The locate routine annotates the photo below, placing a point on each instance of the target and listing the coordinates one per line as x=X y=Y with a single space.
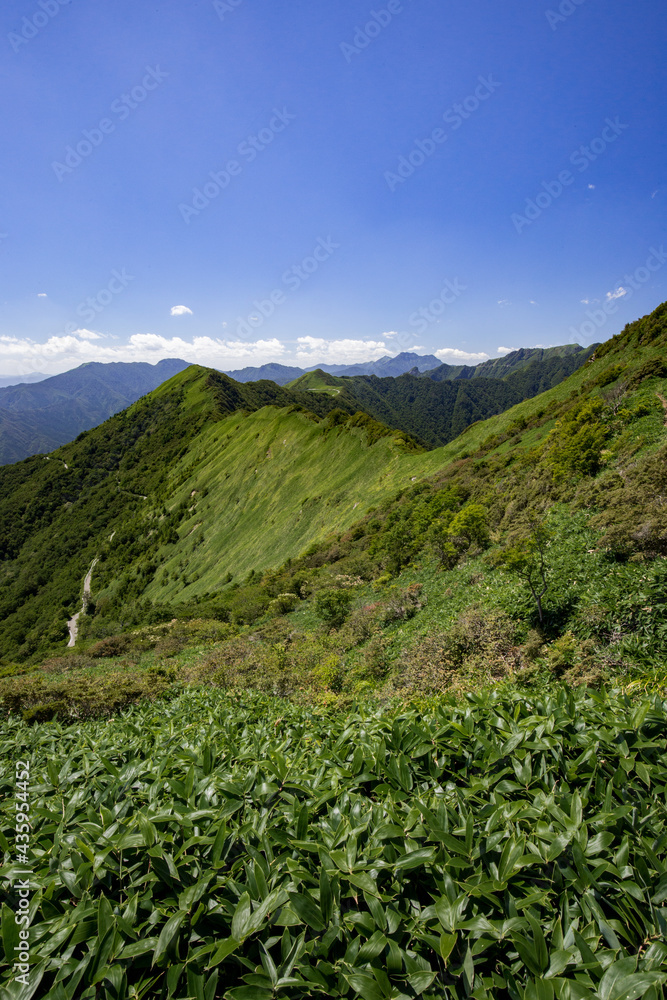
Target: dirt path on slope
x=73 y=623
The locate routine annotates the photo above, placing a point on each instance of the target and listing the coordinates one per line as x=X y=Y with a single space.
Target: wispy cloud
x=618 y=293
x=504 y=302
x=335 y=352
x=449 y=354
x=59 y=354
x=181 y=311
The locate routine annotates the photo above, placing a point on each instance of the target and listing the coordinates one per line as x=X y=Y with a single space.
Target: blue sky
x=326 y=182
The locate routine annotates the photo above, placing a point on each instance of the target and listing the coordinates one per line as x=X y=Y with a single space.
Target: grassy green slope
x=318 y=381
x=133 y=476
x=263 y=488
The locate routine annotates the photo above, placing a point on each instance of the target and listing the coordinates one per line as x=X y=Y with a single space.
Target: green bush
x=333 y=606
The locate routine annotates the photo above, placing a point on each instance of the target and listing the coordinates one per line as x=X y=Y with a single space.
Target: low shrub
x=333 y=606
x=113 y=646
x=79 y=697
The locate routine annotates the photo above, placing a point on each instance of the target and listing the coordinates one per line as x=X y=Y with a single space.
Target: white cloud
x=59 y=354
x=181 y=311
x=532 y=302
x=505 y=350
x=312 y=350
x=41 y=295
x=591 y=187
x=450 y=354
x=392 y=333
x=504 y=302
x=618 y=293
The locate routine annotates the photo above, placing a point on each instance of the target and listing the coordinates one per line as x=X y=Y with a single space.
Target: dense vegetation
x=560 y=361
x=506 y=847
x=435 y=412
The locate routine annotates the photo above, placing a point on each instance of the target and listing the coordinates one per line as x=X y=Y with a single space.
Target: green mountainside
x=514 y=362
x=249 y=442
x=192 y=495
x=318 y=381
x=435 y=412
x=437 y=409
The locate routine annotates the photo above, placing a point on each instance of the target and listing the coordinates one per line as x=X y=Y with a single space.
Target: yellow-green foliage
x=576 y=442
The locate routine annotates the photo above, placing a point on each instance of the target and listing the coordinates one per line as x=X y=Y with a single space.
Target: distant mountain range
x=39 y=417
x=420 y=364
x=17 y=379
x=385 y=367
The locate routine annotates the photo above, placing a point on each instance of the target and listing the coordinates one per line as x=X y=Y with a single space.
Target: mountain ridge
x=205 y=484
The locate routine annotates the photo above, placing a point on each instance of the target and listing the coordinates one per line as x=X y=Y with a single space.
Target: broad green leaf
x=137 y=948
x=168 y=935
x=10 y=933
x=415 y=859
x=249 y=993
x=420 y=981
x=308 y=910
x=447 y=945
x=224 y=949
x=242 y=917
x=372 y=948
x=365 y=986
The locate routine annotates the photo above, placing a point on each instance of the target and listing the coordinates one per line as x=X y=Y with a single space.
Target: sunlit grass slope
x=318 y=381
x=265 y=486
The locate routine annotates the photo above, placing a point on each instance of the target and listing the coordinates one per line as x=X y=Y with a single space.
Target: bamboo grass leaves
x=252 y=849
